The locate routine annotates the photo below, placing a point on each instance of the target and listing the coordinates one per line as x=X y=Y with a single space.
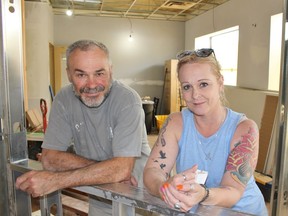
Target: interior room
x=143 y=47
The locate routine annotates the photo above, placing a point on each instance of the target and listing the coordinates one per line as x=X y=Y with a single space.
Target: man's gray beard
x=91 y=103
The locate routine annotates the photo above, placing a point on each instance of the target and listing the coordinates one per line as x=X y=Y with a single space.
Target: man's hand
x=38 y=183
x=132 y=181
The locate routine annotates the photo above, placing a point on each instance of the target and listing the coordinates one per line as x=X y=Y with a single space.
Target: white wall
x=254 y=42
x=139 y=63
x=253 y=59
x=39 y=33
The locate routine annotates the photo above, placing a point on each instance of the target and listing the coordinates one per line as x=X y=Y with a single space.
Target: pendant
x=208 y=156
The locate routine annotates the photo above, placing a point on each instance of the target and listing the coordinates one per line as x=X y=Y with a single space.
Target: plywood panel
x=266 y=128
x=171 y=94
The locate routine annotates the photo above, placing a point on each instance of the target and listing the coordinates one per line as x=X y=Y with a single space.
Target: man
x=102 y=119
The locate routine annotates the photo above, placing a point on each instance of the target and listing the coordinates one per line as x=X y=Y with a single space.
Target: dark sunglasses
x=205 y=52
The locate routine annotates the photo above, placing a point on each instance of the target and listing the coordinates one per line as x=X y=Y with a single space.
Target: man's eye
x=80 y=75
x=99 y=74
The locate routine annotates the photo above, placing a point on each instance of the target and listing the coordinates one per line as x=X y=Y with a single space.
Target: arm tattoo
x=162 y=154
x=243 y=158
x=162 y=165
x=160 y=138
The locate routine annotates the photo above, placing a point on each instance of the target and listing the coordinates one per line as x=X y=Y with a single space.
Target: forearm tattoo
x=243 y=158
x=161 y=140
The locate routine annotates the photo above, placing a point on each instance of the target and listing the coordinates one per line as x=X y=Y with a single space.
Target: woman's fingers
x=176 y=199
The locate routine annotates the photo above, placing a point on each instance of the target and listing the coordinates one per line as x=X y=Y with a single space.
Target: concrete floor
x=152 y=137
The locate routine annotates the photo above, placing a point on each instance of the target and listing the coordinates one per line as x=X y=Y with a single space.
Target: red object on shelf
x=43 y=107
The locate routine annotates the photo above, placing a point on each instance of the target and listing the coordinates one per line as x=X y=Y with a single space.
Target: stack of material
x=35 y=121
x=264 y=183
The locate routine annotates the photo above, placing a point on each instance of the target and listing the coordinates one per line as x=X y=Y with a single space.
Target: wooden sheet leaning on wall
x=266 y=141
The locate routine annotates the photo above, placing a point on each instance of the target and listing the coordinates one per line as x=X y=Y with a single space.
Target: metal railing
x=123 y=196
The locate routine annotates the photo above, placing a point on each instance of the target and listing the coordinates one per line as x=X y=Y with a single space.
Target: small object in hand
x=201 y=176
x=177 y=206
x=184 y=176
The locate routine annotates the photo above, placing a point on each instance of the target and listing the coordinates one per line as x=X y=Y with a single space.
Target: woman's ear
x=221 y=82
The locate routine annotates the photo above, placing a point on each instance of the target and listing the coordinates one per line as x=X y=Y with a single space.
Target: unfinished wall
x=39 y=33
x=139 y=63
x=253 y=19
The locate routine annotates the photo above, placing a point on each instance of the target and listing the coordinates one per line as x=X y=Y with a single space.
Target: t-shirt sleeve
x=58 y=135
x=128 y=132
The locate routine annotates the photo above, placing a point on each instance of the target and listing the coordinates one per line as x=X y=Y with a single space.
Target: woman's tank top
x=211 y=155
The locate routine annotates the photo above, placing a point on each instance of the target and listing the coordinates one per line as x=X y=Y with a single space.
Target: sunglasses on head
x=205 y=52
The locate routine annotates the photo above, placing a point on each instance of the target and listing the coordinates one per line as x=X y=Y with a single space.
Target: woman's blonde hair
x=191 y=57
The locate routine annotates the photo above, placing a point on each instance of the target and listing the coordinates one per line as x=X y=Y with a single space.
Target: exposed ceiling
x=171 y=10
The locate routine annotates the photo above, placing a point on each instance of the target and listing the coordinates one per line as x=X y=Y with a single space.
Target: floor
x=152 y=137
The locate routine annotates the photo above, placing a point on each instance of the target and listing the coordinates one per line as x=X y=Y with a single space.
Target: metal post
x=13 y=145
x=279 y=194
x=4 y=202
x=50 y=200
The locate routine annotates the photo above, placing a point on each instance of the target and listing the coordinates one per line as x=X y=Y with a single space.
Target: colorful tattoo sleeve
x=243 y=158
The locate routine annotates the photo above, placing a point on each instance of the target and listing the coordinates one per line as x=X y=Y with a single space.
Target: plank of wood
x=77 y=206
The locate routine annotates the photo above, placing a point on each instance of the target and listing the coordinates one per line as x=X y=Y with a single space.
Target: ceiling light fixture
x=69 y=12
x=131 y=31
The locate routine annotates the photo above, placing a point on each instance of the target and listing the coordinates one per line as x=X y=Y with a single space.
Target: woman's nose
x=195 y=93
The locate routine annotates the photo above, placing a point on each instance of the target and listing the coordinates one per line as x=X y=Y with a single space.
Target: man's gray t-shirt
x=115 y=129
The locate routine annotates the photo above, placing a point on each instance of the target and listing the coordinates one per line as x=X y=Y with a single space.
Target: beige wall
x=254 y=43
x=141 y=63
x=39 y=33
x=250 y=102
x=253 y=59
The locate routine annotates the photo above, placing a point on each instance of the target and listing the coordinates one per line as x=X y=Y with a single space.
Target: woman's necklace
x=209 y=150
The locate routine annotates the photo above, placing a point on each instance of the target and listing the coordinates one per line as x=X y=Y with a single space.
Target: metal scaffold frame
x=279 y=193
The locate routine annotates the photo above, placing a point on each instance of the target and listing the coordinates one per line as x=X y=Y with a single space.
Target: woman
x=205 y=136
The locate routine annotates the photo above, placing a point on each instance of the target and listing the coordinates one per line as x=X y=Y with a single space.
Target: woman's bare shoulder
x=176 y=123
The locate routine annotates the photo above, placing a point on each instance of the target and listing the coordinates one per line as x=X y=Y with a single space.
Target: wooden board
x=265 y=132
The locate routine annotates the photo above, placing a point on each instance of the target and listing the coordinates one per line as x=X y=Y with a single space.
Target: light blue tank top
x=211 y=155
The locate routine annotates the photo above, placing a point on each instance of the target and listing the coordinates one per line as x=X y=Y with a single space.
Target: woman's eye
x=204 y=84
x=186 y=87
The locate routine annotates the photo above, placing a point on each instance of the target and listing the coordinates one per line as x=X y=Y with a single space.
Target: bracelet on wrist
x=206 y=191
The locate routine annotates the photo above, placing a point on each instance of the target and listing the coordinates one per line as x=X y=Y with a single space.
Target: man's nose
x=92 y=81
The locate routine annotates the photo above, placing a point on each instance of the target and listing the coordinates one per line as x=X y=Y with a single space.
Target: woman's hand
x=181 y=191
